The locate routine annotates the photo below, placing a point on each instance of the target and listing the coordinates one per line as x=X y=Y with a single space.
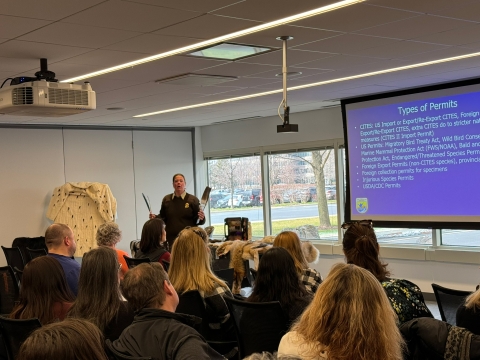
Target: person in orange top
x=109 y=235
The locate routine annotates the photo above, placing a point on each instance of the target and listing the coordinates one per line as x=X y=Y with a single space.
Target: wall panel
x=31 y=165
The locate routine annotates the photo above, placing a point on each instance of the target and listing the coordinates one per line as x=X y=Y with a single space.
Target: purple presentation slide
x=415 y=158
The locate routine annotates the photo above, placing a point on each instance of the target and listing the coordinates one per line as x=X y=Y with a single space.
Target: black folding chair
x=222 y=262
x=9 y=291
x=119 y=356
x=448 y=301
x=131 y=263
x=191 y=303
x=226 y=275
x=14 y=258
x=34 y=253
x=259 y=326
x=15 y=332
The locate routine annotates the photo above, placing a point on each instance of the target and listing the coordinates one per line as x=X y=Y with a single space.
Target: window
x=303 y=193
x=236 y=192
x=461 y=237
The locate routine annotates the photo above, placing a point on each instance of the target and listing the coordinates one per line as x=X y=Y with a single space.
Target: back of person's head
x=152 y=233
x=108 y=234
x=190 y=264
x=43 y=285
x=98 y=298
x=351 y=318
x=142 y=286
x=290 y=241
x=473 y=300
x=269 y=356
x=361 y=248
x=72 y=339
x=277 y=279
x=55 y=234
x=200 y=232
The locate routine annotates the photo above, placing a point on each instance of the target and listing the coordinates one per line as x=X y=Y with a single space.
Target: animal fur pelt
x=251 y=250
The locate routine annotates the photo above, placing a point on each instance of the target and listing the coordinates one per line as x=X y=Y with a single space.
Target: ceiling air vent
x=196 y=80
x=22 y=96
x=67 y=97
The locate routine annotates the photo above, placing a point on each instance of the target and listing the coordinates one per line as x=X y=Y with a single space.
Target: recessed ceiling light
x=220 y=39
x=290 y=73
x=196 y=80
x=230 y=51
x=115 y=108
x=373 y=73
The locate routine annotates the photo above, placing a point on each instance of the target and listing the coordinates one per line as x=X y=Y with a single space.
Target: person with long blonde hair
x=468 y=314
x=350 y=318
x=190 y=270
x=309 y=277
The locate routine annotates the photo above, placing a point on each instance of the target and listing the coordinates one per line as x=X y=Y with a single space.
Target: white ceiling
x=82 y=36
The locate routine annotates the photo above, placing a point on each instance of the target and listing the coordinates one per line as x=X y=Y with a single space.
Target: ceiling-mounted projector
x=44 y=96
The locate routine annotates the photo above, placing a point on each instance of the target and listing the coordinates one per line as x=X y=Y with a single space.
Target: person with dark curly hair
x=361 y=248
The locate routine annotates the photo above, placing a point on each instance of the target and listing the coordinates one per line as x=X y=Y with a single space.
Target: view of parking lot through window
x=303 y=193
x=236 y=192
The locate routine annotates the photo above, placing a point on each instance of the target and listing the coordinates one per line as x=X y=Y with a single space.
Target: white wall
x=31 y=165
x=35 y=161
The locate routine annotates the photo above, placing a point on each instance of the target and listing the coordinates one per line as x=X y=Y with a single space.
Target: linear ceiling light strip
x=230 y=36
x=373 y=73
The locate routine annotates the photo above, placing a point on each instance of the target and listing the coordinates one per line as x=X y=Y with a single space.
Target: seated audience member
x=44 y=293
x=190 y=270
x=432 y=339
x=309 y=277
x=109 y=235
x=468 y=314
x=277 y=280
x=157 y=331
x=72 y=339
x=268 y=356
x=152 y=242
x=361 y=248
x=61 y=245
x=349 y=318
x=98 y=297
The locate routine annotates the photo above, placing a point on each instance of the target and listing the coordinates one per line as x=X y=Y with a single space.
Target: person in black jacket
x=432 y=339
x=157 y=331
x=179 y=210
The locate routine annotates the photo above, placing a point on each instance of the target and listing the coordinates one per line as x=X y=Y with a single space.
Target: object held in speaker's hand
x=204 y=199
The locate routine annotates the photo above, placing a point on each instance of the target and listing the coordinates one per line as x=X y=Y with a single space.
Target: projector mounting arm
x=286 y=126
